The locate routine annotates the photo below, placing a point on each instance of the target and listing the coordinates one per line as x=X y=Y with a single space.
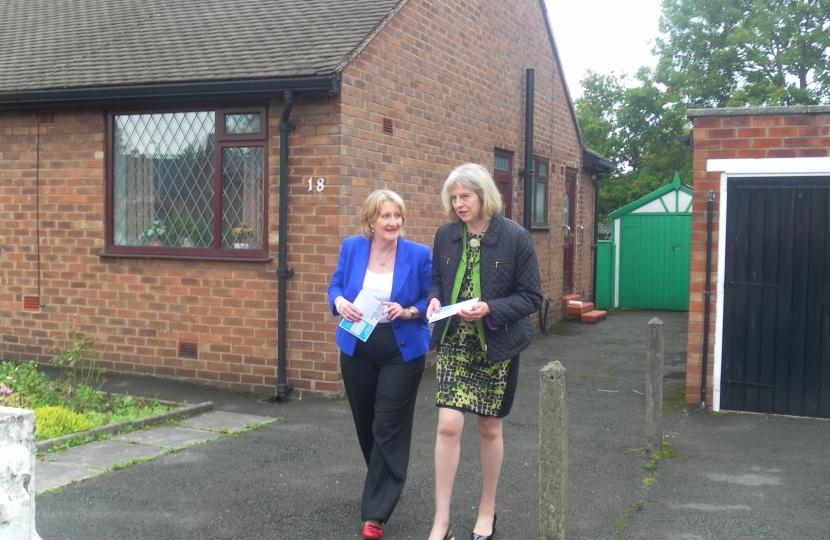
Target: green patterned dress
x=466 y=379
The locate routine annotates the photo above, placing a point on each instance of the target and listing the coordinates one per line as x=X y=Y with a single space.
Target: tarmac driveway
x=738 y=476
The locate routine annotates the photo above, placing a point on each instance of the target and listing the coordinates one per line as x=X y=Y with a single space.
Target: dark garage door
x=776 y=316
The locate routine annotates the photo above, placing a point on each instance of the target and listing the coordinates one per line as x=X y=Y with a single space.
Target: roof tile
x=48 y=44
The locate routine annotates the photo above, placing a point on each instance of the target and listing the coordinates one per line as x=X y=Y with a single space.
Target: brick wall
x=452 y=97
x=735 y=134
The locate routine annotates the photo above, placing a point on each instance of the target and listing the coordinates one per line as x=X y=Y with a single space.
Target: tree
x=732 y=53
x=636 y=126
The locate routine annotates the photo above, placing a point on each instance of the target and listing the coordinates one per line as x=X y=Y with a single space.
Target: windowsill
x=539 y=227
x=235 y=258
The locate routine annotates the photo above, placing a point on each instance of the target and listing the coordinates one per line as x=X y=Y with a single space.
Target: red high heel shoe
x=372 y=532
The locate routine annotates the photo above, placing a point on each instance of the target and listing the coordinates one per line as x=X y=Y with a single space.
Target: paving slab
x=103 y=455
x=225 y=421
x=49 y=475
x=166 y=437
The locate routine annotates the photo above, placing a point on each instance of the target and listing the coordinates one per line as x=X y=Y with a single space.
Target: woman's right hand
x=433 y=307
x=347 y=310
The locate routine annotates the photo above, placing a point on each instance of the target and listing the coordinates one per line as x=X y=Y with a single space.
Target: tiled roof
x=57 y=44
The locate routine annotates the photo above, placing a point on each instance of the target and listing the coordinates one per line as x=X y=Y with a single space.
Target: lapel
x=402 y=268
x=360 y=261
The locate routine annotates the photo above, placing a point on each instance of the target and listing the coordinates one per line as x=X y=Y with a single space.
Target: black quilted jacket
x=510 y=283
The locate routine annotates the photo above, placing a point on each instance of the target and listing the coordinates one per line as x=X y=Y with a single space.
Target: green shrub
x=23 y=386
x=51 y=422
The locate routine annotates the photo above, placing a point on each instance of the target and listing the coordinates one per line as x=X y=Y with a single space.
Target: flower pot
x=240 y=245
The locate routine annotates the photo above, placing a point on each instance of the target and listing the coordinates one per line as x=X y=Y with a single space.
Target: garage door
x=776 y=312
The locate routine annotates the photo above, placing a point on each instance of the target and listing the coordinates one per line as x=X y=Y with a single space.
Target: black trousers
x=382 y=391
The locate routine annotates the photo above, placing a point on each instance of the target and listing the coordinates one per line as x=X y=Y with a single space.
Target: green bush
x=23 y=386
x=51 y=422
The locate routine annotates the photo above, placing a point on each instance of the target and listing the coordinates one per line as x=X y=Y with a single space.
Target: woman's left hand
x=479 y=310
x=394 y=310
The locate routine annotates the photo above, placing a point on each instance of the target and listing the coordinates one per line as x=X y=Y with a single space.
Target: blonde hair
x=476 y=178
x=372 y=208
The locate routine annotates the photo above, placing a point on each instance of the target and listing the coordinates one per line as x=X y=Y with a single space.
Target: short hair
x=477 y=179
x=372 y=206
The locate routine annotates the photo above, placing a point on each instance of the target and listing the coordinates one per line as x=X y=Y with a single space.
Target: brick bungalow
x=767 y=173
x=177 y=175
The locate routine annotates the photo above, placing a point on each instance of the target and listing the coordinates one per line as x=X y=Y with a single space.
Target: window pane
x=543 y=169
x=567 y=210
x=501 y=163
x=236 y=124
x=540 y=203
x=163 y=179
x=243 y=185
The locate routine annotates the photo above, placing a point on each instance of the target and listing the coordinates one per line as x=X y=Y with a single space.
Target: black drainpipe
x=528 y=171
x=283 y=272
x=707 y=295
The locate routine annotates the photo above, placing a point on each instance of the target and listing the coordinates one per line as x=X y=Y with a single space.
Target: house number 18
x=320 y=184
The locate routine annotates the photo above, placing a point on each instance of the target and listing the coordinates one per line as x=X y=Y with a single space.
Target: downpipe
x=283 y=272
x=707 y=299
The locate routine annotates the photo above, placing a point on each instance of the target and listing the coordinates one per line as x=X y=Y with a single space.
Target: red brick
x=737 y=143
x=799 y=142
x=751 y=154
x=767 y=120
x=752 y=133
x=782 y=132
x=799 y=120
x=705 y=144
x=783 y=153
x=737 y=121
x=708 y=122
x=814 y=152
x=721 y=133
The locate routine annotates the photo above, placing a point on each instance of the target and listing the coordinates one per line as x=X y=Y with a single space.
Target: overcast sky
x=603 y=36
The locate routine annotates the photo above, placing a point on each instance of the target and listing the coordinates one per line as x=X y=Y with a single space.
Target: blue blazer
x=410 y=285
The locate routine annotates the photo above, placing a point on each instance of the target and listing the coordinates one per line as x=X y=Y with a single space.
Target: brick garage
x=760 y=356
x=409 y=98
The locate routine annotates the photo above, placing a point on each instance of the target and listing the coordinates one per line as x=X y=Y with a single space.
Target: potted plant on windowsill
x=242 y=234
x=155 y=234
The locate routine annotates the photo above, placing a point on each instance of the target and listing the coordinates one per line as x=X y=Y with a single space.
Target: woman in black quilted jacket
x=478 y=255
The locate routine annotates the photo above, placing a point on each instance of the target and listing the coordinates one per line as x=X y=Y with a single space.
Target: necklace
x=475 y=242
x=382 y=262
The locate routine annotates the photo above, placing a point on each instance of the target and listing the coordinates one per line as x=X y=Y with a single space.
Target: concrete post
x=654 y=385
x=553 y=453
x=17 y=474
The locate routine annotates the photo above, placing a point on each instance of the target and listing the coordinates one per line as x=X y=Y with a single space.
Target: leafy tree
x=732 y=53
x=722 y=53
x=636 y=125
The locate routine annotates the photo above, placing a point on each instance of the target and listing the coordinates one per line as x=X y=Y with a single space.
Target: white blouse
x=380 y=287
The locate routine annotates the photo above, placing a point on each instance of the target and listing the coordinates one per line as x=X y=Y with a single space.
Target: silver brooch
x=474 y=243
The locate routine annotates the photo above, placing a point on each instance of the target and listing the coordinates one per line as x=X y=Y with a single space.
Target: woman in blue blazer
x=382 y=374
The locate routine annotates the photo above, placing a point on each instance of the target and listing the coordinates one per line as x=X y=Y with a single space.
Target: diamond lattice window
x=184 y=184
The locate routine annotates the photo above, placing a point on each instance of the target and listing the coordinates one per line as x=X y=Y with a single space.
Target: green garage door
x=654 y=261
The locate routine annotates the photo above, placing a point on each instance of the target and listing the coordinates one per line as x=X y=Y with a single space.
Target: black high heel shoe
x=449 y=535
x=474 y=536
